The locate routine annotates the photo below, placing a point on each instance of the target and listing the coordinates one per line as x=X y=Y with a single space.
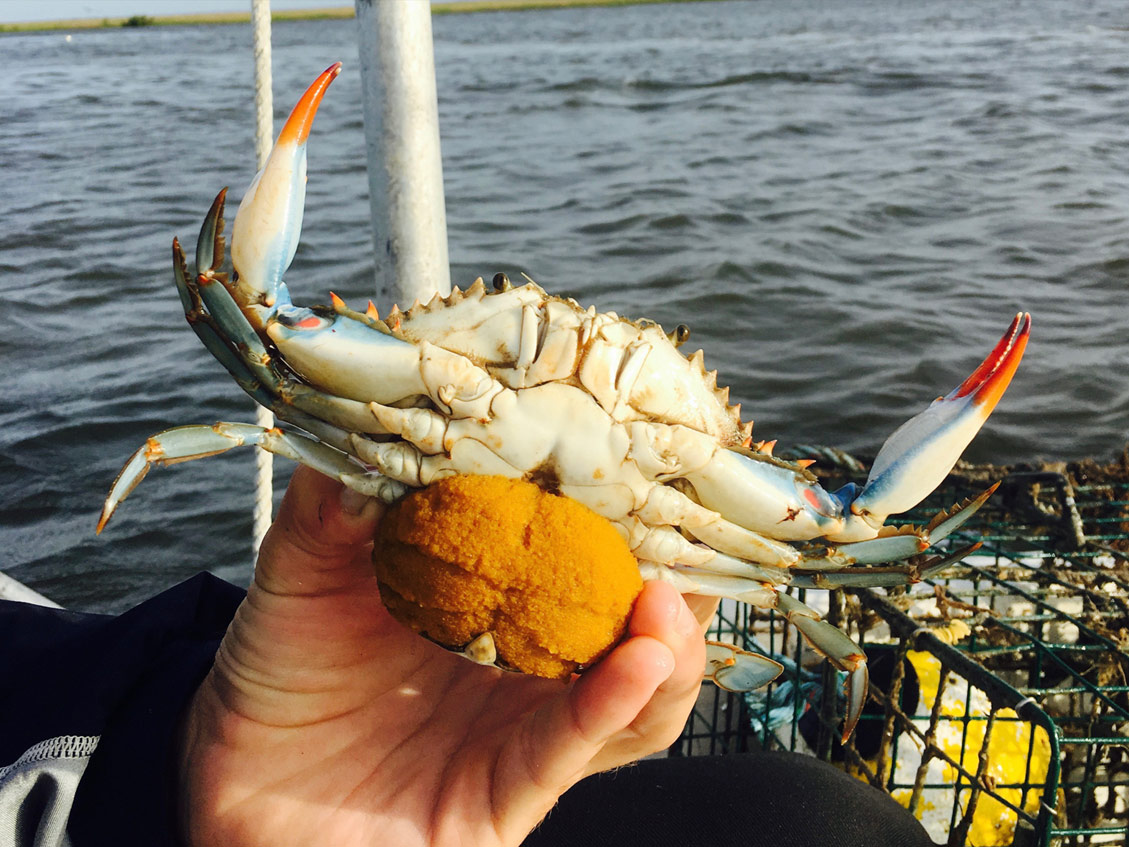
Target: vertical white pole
x=264 y=138
x=405 y=169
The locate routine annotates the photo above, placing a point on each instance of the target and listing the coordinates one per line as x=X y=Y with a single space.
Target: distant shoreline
x=438 y=7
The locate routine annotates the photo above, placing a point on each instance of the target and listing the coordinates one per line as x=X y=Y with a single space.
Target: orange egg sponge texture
x=551 y=580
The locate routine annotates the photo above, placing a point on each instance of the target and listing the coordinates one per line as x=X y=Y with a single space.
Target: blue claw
x=265 y=234
x=920 y=454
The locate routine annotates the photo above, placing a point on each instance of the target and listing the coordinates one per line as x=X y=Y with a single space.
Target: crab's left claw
x=920 y=453
x=265 y=234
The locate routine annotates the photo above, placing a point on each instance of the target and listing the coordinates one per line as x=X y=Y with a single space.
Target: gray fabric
x=37 y=790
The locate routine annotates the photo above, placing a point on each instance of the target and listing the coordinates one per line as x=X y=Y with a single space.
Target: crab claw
x=265 y=233
x=922 y=451
x=732 y=669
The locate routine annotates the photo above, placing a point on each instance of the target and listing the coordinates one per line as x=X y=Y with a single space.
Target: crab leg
x=691 y=580
x=662 y=543
x=670 y=507
x=185 y=443
x=839 y=649
x=871 y=577
x=828 y=640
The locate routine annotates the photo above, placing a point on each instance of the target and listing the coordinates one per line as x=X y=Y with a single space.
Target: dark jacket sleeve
x=123 y=682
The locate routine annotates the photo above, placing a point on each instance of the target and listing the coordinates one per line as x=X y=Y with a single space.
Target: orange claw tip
x=988 y=382
x=989 y=394
x=991 y=361
x=338 y=303
x=297 y=127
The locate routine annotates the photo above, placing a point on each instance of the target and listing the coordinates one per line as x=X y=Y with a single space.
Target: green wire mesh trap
x=999 y=698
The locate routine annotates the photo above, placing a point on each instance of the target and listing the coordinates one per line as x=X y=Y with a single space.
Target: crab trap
x=998 y=709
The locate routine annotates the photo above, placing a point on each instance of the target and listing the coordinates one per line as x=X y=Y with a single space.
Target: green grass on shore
x=438 y=7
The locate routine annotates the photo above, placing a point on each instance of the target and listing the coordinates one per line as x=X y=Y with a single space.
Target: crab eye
x=680 y=335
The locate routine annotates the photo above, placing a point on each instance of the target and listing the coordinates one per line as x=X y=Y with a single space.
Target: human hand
x=324 y=721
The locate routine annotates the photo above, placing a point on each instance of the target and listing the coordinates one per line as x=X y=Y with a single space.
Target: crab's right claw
x=920 y=454
x=265 y=234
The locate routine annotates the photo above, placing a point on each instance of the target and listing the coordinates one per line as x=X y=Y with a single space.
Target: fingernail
x=673 y=611
x=353 y=502
x=687 y=624
x=667 y=664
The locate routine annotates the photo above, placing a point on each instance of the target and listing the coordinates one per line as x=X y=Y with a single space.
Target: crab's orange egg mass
x=549 y=579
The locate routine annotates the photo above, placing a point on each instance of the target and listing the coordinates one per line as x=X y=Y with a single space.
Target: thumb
x=320 y=540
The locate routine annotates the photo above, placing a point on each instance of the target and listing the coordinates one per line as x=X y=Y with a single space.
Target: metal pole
x=405 y=169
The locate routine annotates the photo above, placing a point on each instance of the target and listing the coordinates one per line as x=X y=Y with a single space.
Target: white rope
x=264 y=137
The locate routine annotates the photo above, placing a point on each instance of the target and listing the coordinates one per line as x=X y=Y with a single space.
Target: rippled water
x=846 y=203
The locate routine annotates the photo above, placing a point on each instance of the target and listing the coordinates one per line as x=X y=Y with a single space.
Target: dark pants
x=770 y=799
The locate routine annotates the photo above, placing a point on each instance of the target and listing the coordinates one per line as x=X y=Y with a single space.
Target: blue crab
x=511 y=380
